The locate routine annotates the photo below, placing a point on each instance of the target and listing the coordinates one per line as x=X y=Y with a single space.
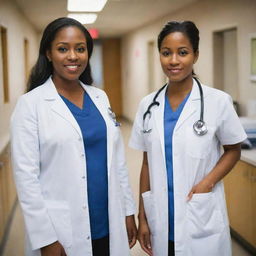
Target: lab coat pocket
x=59 y=213
x=199 y=146
x=204 y=216
x=150 y=212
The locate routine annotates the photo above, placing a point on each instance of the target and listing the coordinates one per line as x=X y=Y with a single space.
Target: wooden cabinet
x=240 y=189
x=7 y=191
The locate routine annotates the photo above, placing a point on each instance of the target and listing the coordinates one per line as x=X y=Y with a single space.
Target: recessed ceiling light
x=84 y=18
x=86 y=5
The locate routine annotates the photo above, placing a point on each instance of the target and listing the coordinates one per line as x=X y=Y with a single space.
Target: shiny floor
x=14 y=245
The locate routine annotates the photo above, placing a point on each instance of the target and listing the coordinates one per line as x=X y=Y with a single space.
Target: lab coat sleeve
x=137 y=136
x=129 y=203
x=130 y=208
x=26 y=167
x=230 y=130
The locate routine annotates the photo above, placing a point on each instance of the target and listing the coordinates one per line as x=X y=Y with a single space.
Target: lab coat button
x=88 y=237
x=83 y=177
x=82 y=155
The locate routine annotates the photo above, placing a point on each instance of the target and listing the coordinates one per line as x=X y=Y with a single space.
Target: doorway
x=226 y=62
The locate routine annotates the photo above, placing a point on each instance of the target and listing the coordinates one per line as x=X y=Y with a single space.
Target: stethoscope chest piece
x=200 y=128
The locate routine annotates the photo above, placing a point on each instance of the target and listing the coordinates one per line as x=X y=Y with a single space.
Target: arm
x=125 y=186
x=127 y=193
x=223 y=167
x=54 y=249
x=143 y=230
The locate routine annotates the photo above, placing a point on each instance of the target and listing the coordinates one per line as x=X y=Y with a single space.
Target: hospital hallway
x=126 y=64
x=15 y=240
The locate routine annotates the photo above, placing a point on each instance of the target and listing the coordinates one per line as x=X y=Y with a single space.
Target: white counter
x=249 y=156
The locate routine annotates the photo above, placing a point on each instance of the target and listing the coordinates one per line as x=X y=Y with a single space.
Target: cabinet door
x=239 y=196
x=1 y=201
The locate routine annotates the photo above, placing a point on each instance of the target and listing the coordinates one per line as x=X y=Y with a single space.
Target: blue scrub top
x=170 y=119
x=94 y=133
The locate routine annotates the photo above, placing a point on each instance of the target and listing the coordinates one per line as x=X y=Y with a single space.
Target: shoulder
x=146 y=100
x=216 y=95
x=33 y=96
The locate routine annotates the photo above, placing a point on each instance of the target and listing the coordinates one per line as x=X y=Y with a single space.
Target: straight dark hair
x=43 y=68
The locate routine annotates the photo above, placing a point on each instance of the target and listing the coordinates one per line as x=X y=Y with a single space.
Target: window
x=4 y=64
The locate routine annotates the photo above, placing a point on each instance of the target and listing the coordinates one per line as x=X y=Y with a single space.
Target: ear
x=48 y=55
x=196 y=57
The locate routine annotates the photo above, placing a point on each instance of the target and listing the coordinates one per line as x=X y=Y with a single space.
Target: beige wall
x=18 y=28
x=210 y=16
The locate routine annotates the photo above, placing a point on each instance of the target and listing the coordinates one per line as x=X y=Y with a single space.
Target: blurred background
x=125 y=63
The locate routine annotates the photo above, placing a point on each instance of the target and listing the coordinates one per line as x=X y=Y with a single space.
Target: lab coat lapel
x=189 y=107
x=58 y=105
x=159 y=119
x=102 y=106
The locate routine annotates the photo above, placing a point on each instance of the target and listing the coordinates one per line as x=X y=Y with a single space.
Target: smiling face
x=68 y=54
x=177 y=57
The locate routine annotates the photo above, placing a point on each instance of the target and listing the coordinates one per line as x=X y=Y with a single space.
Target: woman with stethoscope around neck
x=181 y=128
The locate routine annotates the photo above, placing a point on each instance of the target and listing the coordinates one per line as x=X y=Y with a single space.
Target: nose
x=174 y=60
x=72 y=55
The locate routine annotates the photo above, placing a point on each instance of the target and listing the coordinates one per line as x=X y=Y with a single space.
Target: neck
x=180 y=88
x=69 y=87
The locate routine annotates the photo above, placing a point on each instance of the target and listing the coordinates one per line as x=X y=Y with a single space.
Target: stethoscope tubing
x=199 y=126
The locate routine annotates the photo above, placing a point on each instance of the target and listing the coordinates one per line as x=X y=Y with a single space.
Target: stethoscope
x=112 y=116
x=199 y=126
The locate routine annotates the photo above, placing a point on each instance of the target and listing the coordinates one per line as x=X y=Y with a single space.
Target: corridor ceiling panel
x=117 y=18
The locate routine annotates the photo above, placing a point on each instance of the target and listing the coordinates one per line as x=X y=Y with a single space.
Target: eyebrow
x=68 y=43
x=182 y=47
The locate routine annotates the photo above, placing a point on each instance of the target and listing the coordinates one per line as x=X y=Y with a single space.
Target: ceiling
x=117 y=18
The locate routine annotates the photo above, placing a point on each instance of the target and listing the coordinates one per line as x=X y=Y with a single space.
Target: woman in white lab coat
x=68 y=155
x=181 y=131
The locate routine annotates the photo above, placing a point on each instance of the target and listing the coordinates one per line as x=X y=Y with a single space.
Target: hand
x=144 y=237
x=131 y=230
x=54 y=249
x=202 y=187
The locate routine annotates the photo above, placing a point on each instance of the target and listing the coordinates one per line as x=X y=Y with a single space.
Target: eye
x=62 y=49
x=183 y=52
x=165 y=53
x=81 y=49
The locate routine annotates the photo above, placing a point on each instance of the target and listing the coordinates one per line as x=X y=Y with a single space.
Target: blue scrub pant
x=100 y=247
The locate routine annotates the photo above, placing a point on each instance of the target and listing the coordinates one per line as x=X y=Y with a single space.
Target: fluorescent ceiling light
x=86 y=5
x=84 y=18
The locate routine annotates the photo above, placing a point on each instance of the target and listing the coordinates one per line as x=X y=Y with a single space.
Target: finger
x=133 y=238
x=190 y=195
x=63 y=253
x=132 y=242
x=145 y=244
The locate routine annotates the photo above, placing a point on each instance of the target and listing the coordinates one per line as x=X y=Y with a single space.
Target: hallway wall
x=18 y=28
x=209 y=16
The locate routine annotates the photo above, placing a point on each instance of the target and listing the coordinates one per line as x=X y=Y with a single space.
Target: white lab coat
x=201 y=225
x=50 y=173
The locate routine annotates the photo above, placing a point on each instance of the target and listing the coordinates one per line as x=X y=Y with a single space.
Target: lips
x=174 y=70
x=72 y=67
